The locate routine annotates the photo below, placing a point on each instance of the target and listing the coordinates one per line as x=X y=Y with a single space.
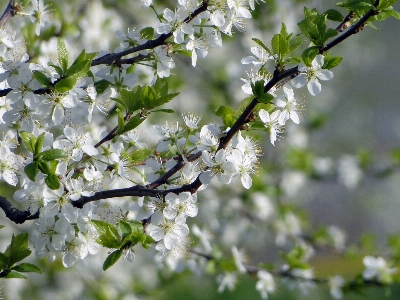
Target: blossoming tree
x=94 y=155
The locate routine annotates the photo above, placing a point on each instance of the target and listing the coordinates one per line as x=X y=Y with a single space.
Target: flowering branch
x=115 y=57
x=355 y=28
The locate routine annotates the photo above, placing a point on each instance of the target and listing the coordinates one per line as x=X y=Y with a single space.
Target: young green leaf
x=79 y=70
x=41 y=78
x=31 y=170
x=309 y=54
x=334 y=15
x=133 y=122
x=52 y=154
x=258 y=42
x=125 y=228
x=62 y=54
x=26 y=267
x=14 y=274
x=331 y=61
x=39 y=144
x=65 y=85
x=29 y=140
x=52 y=182
x=265 y=98
x=112 y=259
x=147 y=33
x=102 y=227
x=139 y=155
x=110 y=239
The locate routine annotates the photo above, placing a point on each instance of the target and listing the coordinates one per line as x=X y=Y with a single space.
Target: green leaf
x=19 y=242
x=52 y=182
x=62 y=54
x=53 y=154
x=360 y=7
x=147 y=241
x=39 y=144
x=165 y=110
x=139 y=155
x=280 y=46
x=18 y=249
x=258 y=42
x=331 y=61
x=309 y=54
x=295 y=42
x=329 y=34
x=41 y=78
x=2 y=226
x=227 y=114
x=161 y=100
x=125 y=228
x=131 y=100
x=4 y=261
x=334 y=15
x=102 y=227
x=13 y=274
x=133 y=122
x=101 y=85
x=265 y=98
x=31 y=170
x=26 y=267
x=29 y=140
x=258 y=88
x=65 y=85
x=109 y=239
x=386 y=13
x=79 y=70
x=52 y=166
x=112 y=259
x=57 y=68
x=81 y=57
x=44 y=167
x=147 y=33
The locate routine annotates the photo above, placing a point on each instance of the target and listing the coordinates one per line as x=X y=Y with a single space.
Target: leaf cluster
x=144 y=99
x=123 y=238
x=43 y=161
x=15 y=252
x=68 y=75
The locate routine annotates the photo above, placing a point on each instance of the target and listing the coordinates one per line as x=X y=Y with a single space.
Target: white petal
x=217 y=18
x=295 y=117
x=206 y=177
x=246 y=181
x=169 y=15
x=249 y=60
x=314 y=87
x=318 y=62
x=299 y=81
x=264 y=116
x=324 y=74
x=58 y=114
x=89 y=149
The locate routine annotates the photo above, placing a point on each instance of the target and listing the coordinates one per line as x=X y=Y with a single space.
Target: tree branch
x=19 y=216
x=355 y=28
x=115 y=57
x=8 y=13
x=14 y=214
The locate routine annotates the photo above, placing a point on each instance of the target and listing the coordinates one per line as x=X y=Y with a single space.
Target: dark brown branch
x=115 y=57
x=10 y=12
x=352 y=30
x=14 y=214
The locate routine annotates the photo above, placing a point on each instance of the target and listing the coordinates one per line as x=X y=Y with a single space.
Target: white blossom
x=311 y=75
